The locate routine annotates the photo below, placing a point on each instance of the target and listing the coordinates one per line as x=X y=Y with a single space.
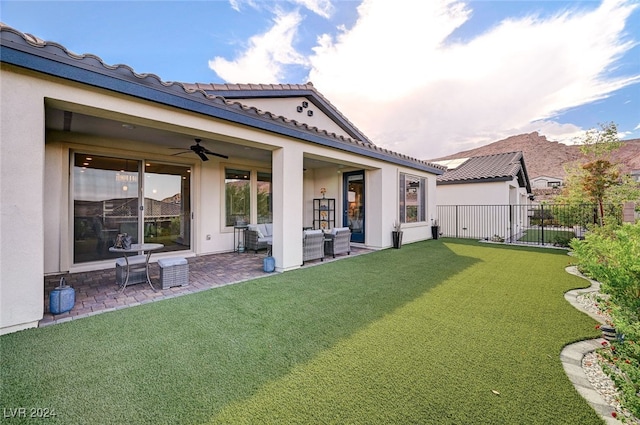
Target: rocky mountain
x=548 y=158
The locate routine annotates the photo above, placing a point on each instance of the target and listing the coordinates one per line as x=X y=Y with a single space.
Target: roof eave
x=466 y=181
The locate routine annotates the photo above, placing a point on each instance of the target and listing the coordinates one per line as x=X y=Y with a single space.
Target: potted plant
x=396 y=234
x=435 y=229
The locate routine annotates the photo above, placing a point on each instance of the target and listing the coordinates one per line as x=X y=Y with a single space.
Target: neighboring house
x=89 y=150
x=490 y=182
x=546 y=182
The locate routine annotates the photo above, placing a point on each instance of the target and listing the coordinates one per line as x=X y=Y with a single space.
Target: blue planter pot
x=269 y=264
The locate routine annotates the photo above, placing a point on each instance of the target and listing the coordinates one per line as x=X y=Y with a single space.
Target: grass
x=423 y=334
x=550 y=235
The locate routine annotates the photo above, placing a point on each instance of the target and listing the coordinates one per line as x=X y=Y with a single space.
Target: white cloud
x=396 y=78
x=323 y=8
x=266 y=55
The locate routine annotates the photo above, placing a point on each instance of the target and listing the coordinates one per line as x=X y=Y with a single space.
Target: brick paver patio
x=96 y=291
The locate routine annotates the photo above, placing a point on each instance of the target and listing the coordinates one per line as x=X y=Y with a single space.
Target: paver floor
x=97 y=292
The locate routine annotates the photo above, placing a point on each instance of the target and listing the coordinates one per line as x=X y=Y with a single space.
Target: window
x=108 y=198
x=243 y=186
x=237 y=185
x=412 y=198
x=265 y=205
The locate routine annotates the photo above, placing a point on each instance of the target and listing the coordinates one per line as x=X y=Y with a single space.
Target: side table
x=238 y=233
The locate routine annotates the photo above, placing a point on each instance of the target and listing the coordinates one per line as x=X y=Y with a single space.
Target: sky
x=422 y=78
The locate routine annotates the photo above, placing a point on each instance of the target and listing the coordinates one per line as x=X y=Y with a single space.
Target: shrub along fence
x=553 y=224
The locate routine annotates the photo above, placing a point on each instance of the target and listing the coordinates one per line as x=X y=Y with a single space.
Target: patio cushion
x=256 y=228
x=134 y=259
x=168 y=262
x=262 y=230
x=269 y=229
x=337 y=229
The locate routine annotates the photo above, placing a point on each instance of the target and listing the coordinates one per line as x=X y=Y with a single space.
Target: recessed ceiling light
x=128 y=126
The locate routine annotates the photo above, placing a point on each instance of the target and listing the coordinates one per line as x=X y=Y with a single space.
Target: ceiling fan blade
x=179 y=153
x=207 y=151
x=202 y=156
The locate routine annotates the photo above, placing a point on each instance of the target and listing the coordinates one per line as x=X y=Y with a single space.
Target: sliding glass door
x=167 y=205
x=149 y=201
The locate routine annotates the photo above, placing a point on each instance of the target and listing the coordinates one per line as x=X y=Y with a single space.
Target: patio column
x=287 y=175
x=22 y=209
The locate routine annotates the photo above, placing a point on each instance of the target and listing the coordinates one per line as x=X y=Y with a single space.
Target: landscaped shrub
x=611 y=255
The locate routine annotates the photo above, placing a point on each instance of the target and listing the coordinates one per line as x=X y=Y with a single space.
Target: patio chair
x=258 y=236
x=338 y=241
x=312 y=245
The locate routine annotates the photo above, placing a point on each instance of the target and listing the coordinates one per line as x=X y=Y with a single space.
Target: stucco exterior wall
x=287 y=107
x=480 y=210
x=21 y=201
x=491 y=193
x=36 y=205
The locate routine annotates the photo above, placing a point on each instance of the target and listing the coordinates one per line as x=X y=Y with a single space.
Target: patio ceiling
x=64 y=120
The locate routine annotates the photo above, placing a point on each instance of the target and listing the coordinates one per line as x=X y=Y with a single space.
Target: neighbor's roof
x=29 y=52
x=489 y=168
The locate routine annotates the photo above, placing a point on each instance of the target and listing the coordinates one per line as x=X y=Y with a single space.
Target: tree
x=596 y=179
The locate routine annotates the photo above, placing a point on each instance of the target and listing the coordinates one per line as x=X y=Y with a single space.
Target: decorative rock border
x=571 y=355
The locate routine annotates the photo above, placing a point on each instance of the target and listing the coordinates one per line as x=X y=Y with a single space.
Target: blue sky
x=424 y=78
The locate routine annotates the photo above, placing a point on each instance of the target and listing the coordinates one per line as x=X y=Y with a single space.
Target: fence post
x=541 y=240
x=456 y=221
x=629 y=212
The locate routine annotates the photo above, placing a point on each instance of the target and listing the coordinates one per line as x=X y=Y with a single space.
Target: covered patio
x=97 y=292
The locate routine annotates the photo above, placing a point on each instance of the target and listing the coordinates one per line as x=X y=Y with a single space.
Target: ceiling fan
x=201 y=151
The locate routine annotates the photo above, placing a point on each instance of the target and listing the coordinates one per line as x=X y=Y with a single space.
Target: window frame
x=420 y=188
x=254 y=179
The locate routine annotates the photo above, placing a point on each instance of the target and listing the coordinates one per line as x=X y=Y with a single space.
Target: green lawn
x=423 y=334
x=550 y=235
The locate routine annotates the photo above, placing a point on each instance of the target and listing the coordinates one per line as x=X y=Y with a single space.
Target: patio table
x=135 y=249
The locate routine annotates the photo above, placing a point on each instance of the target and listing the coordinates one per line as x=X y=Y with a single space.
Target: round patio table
x=135 y=249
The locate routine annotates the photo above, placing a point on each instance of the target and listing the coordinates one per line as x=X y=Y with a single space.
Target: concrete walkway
x=571 y=356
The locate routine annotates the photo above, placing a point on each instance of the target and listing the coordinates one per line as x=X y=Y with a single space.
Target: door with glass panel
x=353 y=202
x=167 y=205
x=149 y=201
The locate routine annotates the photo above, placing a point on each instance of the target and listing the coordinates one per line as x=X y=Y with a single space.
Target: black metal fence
x=541 y=224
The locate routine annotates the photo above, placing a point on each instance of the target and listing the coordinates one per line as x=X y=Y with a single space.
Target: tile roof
x=87 y=68
x=238 y=91
x=488 y=168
